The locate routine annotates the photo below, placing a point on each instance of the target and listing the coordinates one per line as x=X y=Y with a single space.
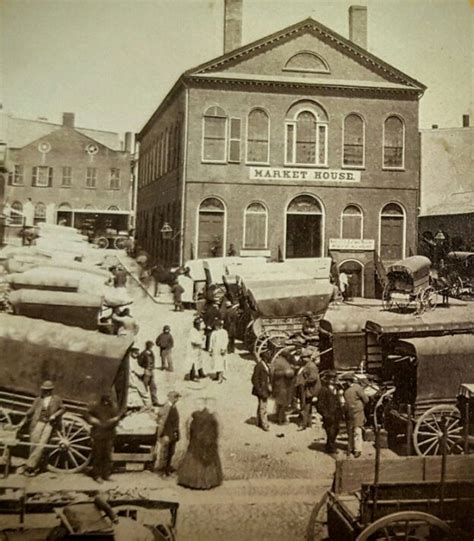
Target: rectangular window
x=66 y=180
x=42 y=176
x=306 y=141
x=290 y=141
x=214 y=144
x=255 y=225
x=115 y=179
x=91 y=177
x=234 y=140
x=17 y=175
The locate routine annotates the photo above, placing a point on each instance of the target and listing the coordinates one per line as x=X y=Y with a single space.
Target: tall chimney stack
x=68 y=120
x=232 y=25
x=465 y=121
x=128 y=141
x=358 y=25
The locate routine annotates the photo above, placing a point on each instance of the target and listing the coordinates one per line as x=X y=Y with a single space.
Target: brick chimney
x=68 y=120
x=232 y=25
x=465 y=121
x=358 y=25
x=127 y=145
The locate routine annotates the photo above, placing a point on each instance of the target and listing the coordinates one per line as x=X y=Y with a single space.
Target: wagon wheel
x=317 y=529
x=262 y=344
x=406 y=525
x=420 y=303
x=428 y=431
x=102 y=242
x=387 y=301
x=120 y=243
x=381 y=407
x=73 y=446
x=430 y=298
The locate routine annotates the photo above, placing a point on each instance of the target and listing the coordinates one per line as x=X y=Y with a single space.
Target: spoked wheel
x=430 y=298
x=73 y=446
x=406 y=526
x=387 y=301
x=428 y=433
x=262 y=346
x=381 y=407
x=420 y=304
x=317 y=529
x=120 y=243
x=102 y=242
x=258 y=343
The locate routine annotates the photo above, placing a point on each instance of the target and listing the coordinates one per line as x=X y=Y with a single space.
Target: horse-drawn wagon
x=460 y=273
x=408 y=282
x=83 y=365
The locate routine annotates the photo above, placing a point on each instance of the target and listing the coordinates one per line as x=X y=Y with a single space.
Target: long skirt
x=194 y=473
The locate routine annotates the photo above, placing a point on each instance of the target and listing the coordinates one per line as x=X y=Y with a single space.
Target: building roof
x=457 y=203
x=216 y=69
x=19 y=132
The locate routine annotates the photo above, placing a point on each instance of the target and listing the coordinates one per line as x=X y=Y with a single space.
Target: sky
x=112 y=61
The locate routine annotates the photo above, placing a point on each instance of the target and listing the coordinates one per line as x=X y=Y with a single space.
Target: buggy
x=408 y=282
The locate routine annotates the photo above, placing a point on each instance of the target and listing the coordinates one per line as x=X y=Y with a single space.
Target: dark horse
x=161 y=275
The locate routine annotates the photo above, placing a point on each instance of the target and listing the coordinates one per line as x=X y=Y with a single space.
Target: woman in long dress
x=201 y=466
x=218 y=349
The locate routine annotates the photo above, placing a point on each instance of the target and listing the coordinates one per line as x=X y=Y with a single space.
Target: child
x=165 y=342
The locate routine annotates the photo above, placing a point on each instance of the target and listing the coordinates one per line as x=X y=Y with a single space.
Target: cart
x=275 y=311
x=83 y=364
x=427 y=376
x=461 y=273
x=408 y=282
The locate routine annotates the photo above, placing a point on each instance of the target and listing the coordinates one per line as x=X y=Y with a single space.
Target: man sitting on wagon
x=309 y=329
x=44 y=415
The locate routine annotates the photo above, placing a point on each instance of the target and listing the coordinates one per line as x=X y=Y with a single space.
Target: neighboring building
x=300 y=144
x=60 y=173
x=447 y=187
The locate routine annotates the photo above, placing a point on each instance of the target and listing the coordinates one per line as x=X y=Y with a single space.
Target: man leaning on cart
x=44 y=415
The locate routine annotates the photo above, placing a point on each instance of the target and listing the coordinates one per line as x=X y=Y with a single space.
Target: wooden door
x=211 y=234
x=303 y=235
x=391 y=238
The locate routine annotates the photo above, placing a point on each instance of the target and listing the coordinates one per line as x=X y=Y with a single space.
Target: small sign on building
x=352 y=245
x=298 y=174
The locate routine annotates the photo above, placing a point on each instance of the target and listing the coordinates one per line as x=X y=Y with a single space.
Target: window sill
x=259 y=164
x=393 y=169
x=306 y=165
x=90 y=187
x=214 y=162
x=66 y=186
x=358 y=167
x=40 y=186
x=16 y=185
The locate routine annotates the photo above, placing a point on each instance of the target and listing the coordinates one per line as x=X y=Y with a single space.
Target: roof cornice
x=298 y=28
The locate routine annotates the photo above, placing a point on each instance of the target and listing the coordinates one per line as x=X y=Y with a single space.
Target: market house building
x=300 y=144
x=63 y=173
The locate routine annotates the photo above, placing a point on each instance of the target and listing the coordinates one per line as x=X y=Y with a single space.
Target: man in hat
x=231 y=318
x=309 y=384
x=330 y=408
x=167 y=434
x=44 y=415
x=355 y=400
x=261 y=388
x=146 y=360
x=309 y=329
x=166 y=343
x=282 y=377
x=103 y=416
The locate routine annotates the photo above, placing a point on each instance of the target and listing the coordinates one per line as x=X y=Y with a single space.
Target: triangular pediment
x=65 y=138
x=306 y=53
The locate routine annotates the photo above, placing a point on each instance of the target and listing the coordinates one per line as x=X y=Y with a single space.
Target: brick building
x=300 y=144
x=59 y=172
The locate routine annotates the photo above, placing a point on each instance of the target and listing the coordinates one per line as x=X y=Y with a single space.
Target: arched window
x=258 y=137
x=394 y=143
x=306 y=135
x=354 y=135
x=113 y=207
x=307 y=61
x=16 y=213
x=392 y=232
x=352 y=223
x=40 y=213
x=255 y=226
x=64 y=206
x=214 y=144
x=211 y=228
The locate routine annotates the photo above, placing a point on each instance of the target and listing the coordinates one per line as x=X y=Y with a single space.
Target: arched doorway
x=392 y=232
x=211 y=228
x=355 y=274
x=304 y=227
x=64 y=214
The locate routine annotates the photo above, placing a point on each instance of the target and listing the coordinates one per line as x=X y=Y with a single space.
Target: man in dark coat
x=330 y=408
x=231 y=317
x=309 y=385
x=146 y=360
x=282 y=376
x=261 y=389
x=355 y=401
x=210 y=315
x=43 y=416
x=103 y=416
x=167 y=433
x=166 y=343
x=177 y=289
